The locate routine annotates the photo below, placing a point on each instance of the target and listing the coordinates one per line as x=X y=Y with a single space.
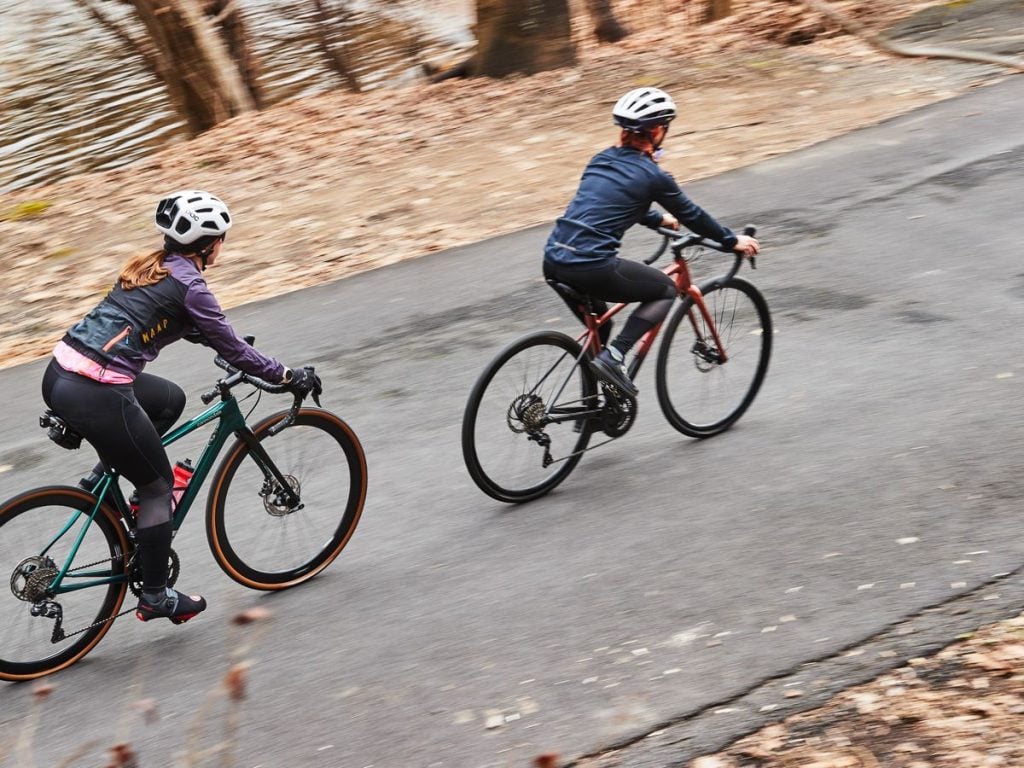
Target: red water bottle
x=182 y=474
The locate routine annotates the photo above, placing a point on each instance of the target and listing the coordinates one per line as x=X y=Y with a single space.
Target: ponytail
x=144 y=269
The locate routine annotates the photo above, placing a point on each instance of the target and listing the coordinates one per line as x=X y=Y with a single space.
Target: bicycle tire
x=515 y=453
x=689 y=381
x=240 y=537
x=25 y=532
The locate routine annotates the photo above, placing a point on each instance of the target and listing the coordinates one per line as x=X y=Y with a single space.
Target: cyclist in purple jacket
x=617 y=190
x=95 y=381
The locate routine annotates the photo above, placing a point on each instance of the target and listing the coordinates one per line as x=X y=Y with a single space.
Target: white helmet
x=643 y=108
x=186 y=216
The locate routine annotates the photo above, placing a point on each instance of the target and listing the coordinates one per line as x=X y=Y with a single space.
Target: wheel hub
x=32 y=577
x=705 y=357
x=526 y=414
x=276 y=504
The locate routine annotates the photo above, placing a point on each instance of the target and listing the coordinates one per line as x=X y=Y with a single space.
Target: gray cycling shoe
x=610 y=367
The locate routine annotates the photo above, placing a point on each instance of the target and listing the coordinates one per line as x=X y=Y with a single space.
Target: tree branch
x=337 y=59
x=899 y=49
x=145 y=51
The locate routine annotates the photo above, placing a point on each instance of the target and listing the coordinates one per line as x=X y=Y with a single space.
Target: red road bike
x=533 y=411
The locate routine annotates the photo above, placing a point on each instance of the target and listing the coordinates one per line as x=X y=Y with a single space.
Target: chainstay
x=101 y=621
x=580 y=453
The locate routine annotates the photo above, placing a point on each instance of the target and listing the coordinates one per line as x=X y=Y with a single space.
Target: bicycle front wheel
x=526 y=423
x=31 y=555
x=255 y=537
x=706 y=383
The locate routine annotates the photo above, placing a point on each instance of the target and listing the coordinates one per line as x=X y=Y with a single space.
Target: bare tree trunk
x=522 y=36
x=228 y=15
x=717 y=9
x=607 y=28
x=202 y=80
x=336 y=55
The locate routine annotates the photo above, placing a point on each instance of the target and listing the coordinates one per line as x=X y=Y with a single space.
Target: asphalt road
x=878 y=472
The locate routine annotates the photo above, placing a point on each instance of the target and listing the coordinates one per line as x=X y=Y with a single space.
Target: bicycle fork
x=274 y=481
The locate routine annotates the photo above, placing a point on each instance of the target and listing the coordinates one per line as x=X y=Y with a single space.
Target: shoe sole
x=173 y=619
x=611 y=376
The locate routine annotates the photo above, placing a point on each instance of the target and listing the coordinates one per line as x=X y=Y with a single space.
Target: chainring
x=618 y=413
x=135 y=580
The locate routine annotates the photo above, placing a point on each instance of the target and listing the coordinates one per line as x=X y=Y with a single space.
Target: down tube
x=231 y=421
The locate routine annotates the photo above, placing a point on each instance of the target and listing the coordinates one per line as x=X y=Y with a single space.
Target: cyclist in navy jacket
x=617 y=190
x=96 y=383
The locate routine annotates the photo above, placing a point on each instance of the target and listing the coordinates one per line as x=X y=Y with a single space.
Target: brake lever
x=288 y=420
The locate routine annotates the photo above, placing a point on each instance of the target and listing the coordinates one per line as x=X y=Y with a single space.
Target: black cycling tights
x=124 y=422
x=621 y=280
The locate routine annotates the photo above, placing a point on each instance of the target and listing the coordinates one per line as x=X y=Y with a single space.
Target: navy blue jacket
x=618 y=187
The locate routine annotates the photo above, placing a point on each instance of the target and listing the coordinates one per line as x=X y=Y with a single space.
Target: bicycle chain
x=65 y=635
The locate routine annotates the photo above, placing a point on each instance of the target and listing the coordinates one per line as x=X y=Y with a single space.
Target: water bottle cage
x=58 y=431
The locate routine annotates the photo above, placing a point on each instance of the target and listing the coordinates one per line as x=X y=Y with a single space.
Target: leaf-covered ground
x=961 y=708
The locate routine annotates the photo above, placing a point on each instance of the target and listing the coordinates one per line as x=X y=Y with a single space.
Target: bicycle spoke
x=513 y=447
x=256 y=537
x=705 y=383
x=27 y=525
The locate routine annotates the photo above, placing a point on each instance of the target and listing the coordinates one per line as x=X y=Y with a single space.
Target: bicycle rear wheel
x=699 y=394
x=526 y=398
x=28 y=563
x=253 y=535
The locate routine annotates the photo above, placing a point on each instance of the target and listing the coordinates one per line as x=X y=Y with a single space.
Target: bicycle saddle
x=571 y=294
x=58 y=430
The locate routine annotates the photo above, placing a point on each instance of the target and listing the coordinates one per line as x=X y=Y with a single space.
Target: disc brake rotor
x=705 y=357
x=275 y=503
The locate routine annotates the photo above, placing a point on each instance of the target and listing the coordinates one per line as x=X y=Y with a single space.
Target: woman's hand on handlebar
x=303 y=382
x=669 y=221
x=747 y=246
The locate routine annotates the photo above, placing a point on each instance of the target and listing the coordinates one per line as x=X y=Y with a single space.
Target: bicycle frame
x=231 y=423
x=590 y=339
x=679 y=271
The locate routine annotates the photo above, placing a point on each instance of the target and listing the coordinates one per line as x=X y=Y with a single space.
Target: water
x=73 y=99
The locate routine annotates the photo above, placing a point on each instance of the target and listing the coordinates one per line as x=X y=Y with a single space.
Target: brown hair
x=144 y=269
x=641 y=141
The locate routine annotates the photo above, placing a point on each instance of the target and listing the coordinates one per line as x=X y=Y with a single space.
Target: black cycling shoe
x=89 y=481
x=173 y=605
x=613 y=371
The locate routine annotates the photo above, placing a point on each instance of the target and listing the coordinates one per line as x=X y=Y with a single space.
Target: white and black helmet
x=187 y=216
x=643 y=108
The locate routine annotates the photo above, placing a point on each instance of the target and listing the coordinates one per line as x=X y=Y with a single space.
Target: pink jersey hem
x=74 y=361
